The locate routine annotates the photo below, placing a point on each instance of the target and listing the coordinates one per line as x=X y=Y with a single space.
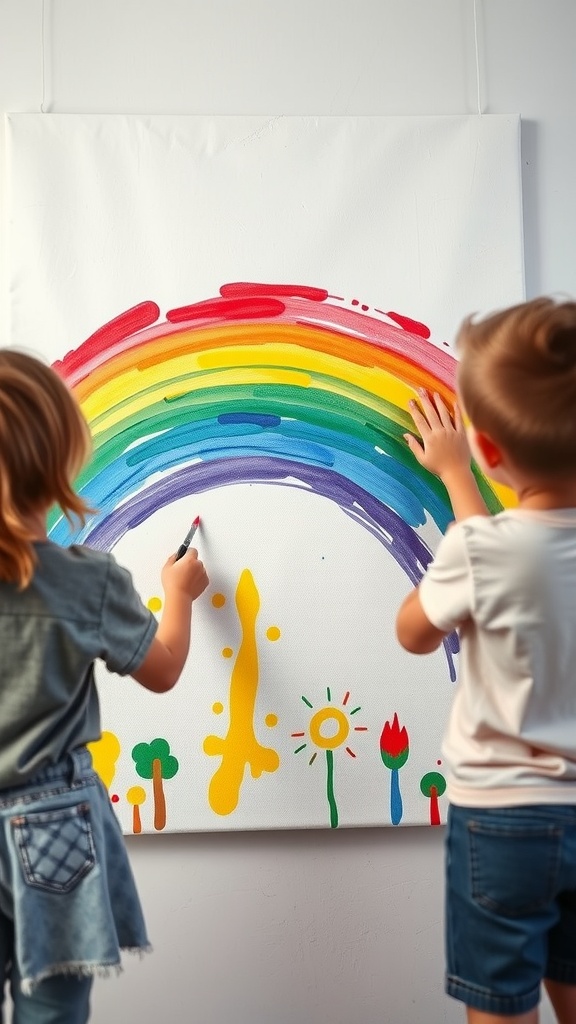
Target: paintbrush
x=188 y=539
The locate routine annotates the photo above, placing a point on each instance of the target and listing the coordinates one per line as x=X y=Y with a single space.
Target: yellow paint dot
x=155 y=604
x=271 y=720
x=218 y=600
x=217 y=708
x=273 y=633
x=227 y=652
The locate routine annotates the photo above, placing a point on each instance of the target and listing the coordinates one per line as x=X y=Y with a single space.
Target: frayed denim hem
x=79 y=970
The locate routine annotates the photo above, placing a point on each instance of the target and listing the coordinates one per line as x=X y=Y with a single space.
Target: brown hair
x=517 y=381
x=44 y=442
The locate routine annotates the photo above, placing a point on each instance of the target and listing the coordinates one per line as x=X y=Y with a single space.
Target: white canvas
x=339 y=255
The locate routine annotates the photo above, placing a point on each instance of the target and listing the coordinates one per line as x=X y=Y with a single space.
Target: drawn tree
x=154 y=761
x=136 y=796
x=433 y=785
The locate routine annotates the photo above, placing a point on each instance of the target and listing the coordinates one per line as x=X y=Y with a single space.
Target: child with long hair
x=508 y=584
x=68 y=903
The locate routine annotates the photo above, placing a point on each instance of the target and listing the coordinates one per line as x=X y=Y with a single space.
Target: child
x=508 y=583
x=68 y=902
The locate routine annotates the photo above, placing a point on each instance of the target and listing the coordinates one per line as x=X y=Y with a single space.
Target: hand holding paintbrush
x=186 y=574
x=188 y=539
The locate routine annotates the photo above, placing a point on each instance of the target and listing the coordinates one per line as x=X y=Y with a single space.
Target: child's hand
x=444 y=446
x=187 y=575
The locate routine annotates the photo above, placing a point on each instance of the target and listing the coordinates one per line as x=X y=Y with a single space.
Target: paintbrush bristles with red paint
x=188 y=539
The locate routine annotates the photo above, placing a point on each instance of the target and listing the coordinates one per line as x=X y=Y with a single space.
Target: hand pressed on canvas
x=443 y=450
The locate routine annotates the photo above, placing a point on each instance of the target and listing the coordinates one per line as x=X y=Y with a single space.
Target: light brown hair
x=44 y=442
x=517 y=382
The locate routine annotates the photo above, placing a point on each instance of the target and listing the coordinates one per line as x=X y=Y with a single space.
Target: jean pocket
x=514 y=867
x=55 y=848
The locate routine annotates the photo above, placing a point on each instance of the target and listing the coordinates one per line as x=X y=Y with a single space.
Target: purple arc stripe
x=406 y=547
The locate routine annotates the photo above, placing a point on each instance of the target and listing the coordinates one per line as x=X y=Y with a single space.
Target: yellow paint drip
x=240 y=749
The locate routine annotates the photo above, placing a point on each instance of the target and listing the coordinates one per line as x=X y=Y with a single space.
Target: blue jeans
x=60 y=999
x=510 y=904
x=68 y=903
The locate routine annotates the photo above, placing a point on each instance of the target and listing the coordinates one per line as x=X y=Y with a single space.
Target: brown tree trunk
x=159 y=798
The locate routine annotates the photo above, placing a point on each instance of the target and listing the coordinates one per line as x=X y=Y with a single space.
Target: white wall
x=283 y=928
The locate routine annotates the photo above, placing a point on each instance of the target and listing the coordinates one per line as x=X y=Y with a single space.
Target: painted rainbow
x=268 y=384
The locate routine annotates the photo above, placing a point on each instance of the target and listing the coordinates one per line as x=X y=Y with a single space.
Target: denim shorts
x=510 y=904
x=66 y=887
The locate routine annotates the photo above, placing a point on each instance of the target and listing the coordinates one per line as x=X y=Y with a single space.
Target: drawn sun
x=329 y=728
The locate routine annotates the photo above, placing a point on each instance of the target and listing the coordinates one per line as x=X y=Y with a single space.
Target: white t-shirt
x=508 y=582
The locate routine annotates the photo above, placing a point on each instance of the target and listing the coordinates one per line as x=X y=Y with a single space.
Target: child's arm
x=444 y=451
x=183 y=581
x=414 y=630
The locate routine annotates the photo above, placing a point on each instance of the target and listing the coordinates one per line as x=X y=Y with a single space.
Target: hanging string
x=43 y=53
x=477 y=52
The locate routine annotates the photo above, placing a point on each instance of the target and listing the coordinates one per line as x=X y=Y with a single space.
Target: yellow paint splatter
x=218 y=600
x=271 y=720
x=240 y=748
x=155 y=604
x=105 y=752
x=227 y=652
x=273 y=633
x=217 y=708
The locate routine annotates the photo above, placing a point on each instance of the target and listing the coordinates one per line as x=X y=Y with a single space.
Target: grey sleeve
x=127 y=627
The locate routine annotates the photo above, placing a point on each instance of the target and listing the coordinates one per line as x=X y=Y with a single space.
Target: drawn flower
x=328 y=729
x=394 y=750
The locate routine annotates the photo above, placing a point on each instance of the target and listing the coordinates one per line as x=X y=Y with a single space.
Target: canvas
x=244 y=307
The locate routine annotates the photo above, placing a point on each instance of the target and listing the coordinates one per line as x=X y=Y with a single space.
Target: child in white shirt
x=508 y=584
